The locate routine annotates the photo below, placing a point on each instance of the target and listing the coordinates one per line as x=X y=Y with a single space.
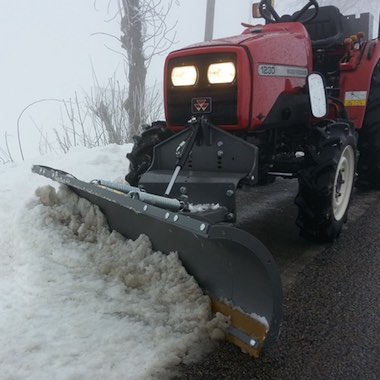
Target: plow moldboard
x=233 y=267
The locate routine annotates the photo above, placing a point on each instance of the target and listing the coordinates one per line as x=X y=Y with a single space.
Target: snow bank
x=79 y=302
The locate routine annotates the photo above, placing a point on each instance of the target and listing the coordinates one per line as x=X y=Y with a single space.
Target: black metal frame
x=212 y=164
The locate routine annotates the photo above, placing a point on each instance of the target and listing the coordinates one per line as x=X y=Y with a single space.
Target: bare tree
x=114 y=113
x=145 y=33
x=98 y=119
x=132 y=39
x=5 y=153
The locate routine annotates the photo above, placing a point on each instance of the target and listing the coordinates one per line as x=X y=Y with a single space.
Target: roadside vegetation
x=112 y=112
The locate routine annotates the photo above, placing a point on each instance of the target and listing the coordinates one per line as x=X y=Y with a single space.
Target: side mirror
x=256 y=9
x=317 y=94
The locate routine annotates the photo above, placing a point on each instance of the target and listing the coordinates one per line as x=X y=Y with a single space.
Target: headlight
x=184 y=76
x=221 y=73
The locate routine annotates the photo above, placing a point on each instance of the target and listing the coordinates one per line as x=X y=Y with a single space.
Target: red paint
x=285 y=44
x=356 y=75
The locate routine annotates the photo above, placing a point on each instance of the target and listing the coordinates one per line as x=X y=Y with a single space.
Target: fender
x=355 y=80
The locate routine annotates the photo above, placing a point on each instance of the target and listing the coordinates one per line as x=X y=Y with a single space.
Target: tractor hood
x=234 y=40
x=256 y=33
x=235 y=81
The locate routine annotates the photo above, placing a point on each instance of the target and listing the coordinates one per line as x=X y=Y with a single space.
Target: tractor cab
x=336 y=39
x=327 y=26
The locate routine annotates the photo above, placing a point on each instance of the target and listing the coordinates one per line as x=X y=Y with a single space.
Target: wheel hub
x=343 y=182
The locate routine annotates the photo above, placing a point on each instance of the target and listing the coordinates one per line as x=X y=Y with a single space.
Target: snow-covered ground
x=79 y=302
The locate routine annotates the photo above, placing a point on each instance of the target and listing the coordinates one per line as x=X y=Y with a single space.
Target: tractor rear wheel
x=369 y=138
x=326 y=182
x=142 y=153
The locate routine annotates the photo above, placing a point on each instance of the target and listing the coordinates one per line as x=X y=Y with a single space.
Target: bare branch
x=5 y=154
x=20 y=115
x=145 y=33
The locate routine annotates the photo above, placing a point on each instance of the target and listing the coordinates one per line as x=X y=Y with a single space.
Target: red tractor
x=298 y=97
x=254 y=86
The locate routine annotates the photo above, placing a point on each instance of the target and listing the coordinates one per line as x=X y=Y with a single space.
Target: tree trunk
x=132 y=40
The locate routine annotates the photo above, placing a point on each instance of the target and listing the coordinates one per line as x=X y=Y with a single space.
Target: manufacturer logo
x=201 y=105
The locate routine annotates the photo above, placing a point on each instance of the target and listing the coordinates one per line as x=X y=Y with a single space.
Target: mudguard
x=233 y=267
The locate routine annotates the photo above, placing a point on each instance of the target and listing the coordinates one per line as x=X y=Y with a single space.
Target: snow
x=79 y=302
x=203 y=207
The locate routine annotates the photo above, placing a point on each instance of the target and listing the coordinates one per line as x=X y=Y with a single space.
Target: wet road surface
x=331 y=327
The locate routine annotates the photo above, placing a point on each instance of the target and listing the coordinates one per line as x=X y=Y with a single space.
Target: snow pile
x=79 y=302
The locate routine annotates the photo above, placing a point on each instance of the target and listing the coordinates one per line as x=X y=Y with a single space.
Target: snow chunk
x=95 y=304
x=203 y=207
x=218 y=325
x=47 y=195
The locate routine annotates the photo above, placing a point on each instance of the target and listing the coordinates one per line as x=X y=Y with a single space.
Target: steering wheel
x=267 y=11
x=270 y=15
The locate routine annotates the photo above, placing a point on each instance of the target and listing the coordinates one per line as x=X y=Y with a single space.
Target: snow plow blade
x=233 y=268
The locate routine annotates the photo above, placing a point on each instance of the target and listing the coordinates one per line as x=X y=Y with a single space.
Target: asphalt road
x=331 y=326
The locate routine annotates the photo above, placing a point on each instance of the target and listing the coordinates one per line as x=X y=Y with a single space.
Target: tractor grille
x=217 y=101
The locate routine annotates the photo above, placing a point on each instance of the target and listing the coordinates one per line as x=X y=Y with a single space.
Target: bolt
x=230 y=216
x=230 y=193
x=145 y=208
x=220 y=153
x=219 y=143
x=176 y=217
x=167 y=215
x=202 y=227
x=252 y=342
x=183 y=190
x=179 y=150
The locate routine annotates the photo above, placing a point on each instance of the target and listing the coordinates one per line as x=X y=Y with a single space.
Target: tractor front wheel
x=142 y=153
x=326 y=182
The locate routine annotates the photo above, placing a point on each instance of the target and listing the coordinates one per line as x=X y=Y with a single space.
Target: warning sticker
x=355 y=98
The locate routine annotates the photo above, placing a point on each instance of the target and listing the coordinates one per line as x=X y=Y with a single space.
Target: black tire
x=326 y=182
x=142 y=153
x=369 y=138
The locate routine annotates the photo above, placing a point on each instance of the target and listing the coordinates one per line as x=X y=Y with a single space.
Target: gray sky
x=46 y=51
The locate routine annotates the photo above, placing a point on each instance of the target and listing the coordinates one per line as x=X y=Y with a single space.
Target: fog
x=47 y=49
x=52 y=49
